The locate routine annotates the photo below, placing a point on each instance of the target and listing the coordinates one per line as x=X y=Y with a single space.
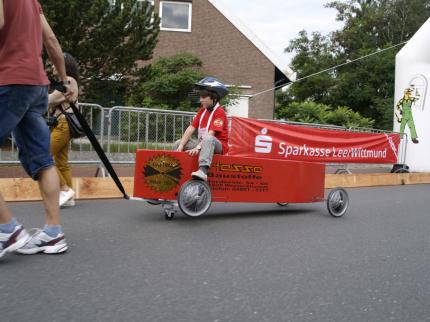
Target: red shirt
x=21 y=44
x=219 y=124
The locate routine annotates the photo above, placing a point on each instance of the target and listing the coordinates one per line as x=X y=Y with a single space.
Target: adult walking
x=60 y=132
x=23 y=101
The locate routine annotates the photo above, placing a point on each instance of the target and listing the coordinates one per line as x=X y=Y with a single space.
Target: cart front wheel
x=337 y=202
x=169 y=214
x=194 y=198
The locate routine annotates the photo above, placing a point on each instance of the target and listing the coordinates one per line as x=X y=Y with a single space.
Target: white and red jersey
x=218 y=123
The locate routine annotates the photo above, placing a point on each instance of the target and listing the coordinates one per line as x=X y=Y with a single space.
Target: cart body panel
x=160 y=174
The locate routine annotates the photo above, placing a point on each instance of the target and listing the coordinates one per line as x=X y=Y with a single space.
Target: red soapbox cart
x=164 y=177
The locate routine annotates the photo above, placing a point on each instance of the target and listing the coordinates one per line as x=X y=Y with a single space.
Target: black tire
x=401 y=170
x=342 y=171
x=282 y=204
x=154 y=202
x=169 y=214
x=194 y=198
x=337 y=202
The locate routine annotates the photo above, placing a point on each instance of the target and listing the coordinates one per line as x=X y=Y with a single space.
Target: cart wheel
x=169 y=214
x=194 y=198
x=282 y=204
x=337 y=202
x=342 y=171
x=153 y=202
x=401 y=170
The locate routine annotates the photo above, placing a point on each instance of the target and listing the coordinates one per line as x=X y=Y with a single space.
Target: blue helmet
x=213 y=85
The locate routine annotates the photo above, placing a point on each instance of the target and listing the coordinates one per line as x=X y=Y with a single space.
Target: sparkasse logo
x=263 y=142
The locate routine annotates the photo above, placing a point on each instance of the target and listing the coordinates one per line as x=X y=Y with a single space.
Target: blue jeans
x=21 y=113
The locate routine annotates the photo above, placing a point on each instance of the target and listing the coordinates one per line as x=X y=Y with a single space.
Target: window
x=175 y=16
x=140 y=3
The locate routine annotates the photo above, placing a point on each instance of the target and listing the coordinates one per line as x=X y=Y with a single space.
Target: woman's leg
x=60 y=138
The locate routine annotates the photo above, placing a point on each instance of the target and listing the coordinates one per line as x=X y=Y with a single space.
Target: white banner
x=412 y=99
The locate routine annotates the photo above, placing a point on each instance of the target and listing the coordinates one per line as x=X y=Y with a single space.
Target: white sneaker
x=42 y=242
x=66 y=196
x=69 y=203
x=199 y=174
x=10 y=242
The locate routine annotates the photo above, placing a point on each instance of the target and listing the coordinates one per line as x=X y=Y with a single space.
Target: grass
x=123 y=147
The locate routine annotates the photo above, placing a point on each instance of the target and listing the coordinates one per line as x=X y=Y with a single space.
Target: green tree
x=366 y=86
x=312 y=55
x=107 y=40
x=311 y=112
x=169 y=83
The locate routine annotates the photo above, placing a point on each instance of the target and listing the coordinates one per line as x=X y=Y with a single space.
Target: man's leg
x=5 y=214
x=49 y=186
x=33 y=140
x=12 y=233
x=11 y=112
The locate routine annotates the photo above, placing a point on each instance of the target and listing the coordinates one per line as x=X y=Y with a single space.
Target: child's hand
x=193 y=152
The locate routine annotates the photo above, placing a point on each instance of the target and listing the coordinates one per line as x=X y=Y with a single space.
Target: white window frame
x=150 y=1
x=190 y=13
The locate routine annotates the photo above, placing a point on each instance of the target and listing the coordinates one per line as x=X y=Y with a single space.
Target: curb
x=25 y=189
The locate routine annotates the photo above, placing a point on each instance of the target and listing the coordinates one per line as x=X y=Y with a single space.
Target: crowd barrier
x=345 y=168
x=121 y=130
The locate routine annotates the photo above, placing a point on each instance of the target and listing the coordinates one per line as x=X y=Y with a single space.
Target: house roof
x=279 y=63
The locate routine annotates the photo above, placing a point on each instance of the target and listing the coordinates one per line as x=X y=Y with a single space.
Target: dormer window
x=175 y=16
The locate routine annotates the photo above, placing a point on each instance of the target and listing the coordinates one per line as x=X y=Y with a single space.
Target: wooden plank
x=25 y=189
x=375 y=179
x=19 y=189
x=100 y=188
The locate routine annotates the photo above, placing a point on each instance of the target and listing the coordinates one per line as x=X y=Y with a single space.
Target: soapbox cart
x=164 y=178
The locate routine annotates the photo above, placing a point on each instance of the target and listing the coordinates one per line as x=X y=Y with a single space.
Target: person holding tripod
x=60 y=132
x=23 y=102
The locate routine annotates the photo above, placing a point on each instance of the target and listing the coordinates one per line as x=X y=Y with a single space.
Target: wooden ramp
x=24 y=189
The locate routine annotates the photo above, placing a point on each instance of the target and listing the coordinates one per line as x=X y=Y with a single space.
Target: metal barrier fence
x=121 y=130
x=132 y=128
x=81 y=149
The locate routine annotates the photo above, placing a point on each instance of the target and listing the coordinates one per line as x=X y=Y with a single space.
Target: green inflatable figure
x=404 y=114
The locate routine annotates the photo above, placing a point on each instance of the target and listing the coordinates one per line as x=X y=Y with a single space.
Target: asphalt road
x=239 y=262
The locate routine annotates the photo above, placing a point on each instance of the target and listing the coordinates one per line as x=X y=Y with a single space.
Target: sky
x=276 y=22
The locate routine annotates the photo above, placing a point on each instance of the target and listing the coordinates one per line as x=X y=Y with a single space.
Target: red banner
x=263 y=139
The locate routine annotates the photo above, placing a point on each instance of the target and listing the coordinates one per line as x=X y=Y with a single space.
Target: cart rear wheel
x=194 y=198
x=401 y=170
x=153 y=202
x=337 y=202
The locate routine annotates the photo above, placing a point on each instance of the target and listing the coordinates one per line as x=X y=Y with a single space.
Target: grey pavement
x=239 y=262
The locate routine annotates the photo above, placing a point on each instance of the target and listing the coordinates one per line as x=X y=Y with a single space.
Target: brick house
x=228 y=49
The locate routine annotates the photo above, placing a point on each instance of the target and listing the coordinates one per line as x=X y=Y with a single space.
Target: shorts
x=21 y=113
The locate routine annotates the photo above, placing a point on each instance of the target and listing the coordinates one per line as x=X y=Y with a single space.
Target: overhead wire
x=331 y=68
